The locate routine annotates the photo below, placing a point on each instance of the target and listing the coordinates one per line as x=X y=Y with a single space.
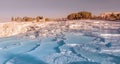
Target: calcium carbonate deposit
x=62 y=42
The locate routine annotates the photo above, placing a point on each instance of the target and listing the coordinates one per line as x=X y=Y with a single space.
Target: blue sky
x=55 y=8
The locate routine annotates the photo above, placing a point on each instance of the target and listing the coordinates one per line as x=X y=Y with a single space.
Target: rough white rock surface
x=13 y=28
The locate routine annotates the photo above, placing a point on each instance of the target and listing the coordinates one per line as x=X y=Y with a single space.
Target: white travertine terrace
x=12 y=28
x=52 y=27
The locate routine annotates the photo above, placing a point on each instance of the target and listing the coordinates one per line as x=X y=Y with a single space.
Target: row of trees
x=80 y=15
x=73 y=16
x=112 y=17
x=37 y=19
x=89 y=15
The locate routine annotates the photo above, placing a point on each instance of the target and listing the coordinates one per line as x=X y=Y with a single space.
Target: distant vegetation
x=112 y=17
x=36 y=19
x=83 y=15
x=88 y=15
x=80 y=15
x=27 y=19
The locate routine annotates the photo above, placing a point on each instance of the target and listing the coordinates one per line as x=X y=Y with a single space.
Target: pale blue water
x=68 y=49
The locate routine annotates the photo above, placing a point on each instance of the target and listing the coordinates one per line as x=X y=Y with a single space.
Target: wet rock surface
x=59 y=44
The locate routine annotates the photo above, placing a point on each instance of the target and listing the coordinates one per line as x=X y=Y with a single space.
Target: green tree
x=12 y=19
x=112 y=17
x=38 y=18
x=85 y=15
x=47 y=19
x=18 y=19
x=27 y=18
x=118 y=16
x=74 y=16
